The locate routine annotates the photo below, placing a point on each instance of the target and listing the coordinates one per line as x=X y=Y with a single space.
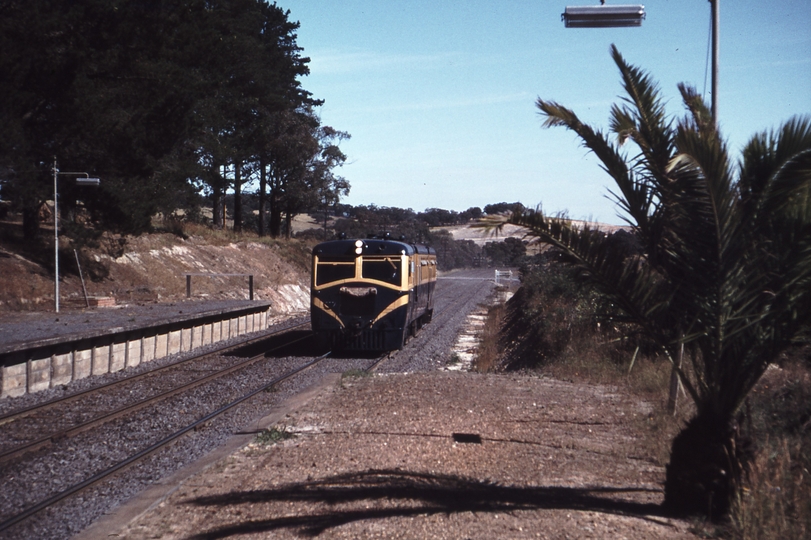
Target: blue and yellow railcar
x=371 y=294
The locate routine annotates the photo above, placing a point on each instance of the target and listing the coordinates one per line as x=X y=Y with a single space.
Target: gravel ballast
x=433 y=455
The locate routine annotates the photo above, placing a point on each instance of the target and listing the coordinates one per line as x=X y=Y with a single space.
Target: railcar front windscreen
x=331 y=271
x=386 y=270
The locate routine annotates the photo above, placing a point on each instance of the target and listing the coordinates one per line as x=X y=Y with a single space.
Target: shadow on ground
x=404 y=494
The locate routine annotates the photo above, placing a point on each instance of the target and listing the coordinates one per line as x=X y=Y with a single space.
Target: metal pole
x=250 y=286
x=715 y=47
x=86 y=181
x=56 y=242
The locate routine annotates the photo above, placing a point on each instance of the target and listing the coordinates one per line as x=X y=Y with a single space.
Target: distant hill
x=482 y=236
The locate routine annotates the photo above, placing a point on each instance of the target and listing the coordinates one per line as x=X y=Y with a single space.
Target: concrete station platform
x=40 y=350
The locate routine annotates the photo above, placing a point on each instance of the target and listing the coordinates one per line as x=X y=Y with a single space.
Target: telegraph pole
x=715 y=47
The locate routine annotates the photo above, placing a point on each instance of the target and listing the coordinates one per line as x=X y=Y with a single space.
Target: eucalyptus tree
x=724 y=268
x=38 y=57
x=299 y=159
x=250 y=66
x=322 y=187
x=287 y=150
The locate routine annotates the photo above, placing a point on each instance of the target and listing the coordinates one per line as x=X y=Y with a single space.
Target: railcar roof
x=371 y=246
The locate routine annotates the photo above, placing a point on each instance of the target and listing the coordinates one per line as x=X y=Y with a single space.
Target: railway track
x=429 y=349
x=59 y=433
x=62 y=401
x=169 y=439
x=439 y=319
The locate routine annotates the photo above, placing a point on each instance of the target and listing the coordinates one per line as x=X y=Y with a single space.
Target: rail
x=21 y=413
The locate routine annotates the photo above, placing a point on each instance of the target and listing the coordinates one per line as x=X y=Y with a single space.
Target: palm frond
x=636 y=197
x=775 y=172
x=726 y=264
x=644 y=119
x=700 y=114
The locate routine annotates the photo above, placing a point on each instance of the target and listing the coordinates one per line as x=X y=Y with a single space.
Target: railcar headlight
x=358 y=247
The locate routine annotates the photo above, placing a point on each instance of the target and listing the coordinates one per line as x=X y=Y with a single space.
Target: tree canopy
x=161 y=99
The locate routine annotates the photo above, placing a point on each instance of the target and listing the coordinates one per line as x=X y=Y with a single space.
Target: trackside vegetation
x=554 y=325
x=718 y=278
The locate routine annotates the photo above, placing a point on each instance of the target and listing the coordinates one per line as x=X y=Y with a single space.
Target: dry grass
x=775 y=501
x=592 y=361
x=295 y=251
x=550 y=327
x=558 y=323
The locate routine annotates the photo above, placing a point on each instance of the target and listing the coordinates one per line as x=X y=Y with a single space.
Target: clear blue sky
x=439 y=96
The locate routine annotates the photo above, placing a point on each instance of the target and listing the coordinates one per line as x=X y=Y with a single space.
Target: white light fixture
x=603 y=16
x=87 y=181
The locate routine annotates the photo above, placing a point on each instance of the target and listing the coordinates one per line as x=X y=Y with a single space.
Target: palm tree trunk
x=705 y=466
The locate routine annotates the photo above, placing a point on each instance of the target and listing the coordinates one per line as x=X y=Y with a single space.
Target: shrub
x=274 y=435
x=545 y=315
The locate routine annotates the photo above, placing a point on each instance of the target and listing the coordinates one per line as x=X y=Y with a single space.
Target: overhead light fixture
x=603 y=16
x=88 y=181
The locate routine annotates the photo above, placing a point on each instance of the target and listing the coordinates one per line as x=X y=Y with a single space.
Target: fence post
x=675 y=382
x=250 y=286
x=188 y=285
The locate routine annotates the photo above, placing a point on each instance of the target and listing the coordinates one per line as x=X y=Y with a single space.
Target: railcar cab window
x=331 y=269
x=386 y=269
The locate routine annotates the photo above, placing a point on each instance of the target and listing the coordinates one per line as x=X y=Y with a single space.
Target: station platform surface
x=43 y=327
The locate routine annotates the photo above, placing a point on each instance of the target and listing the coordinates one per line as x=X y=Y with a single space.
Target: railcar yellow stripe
x=358 y=281
x=333 y=284
x=323 y=307
x=402 y=301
